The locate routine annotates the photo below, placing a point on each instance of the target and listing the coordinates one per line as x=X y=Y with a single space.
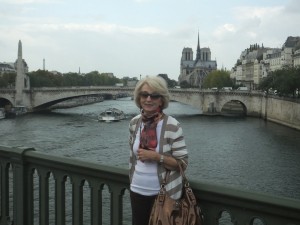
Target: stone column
x=20 y=79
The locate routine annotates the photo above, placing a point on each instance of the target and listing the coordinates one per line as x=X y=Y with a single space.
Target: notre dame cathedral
x=192 y=72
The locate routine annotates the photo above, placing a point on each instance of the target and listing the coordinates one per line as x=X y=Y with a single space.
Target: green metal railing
x=25 y=200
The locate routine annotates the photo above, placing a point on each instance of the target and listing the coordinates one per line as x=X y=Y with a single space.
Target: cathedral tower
x=193 y=72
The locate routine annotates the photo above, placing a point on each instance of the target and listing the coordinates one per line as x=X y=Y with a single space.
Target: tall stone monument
x=22 y=80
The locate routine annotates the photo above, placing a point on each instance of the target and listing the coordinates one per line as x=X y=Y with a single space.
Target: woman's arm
x=169 y=162
x=176 y=152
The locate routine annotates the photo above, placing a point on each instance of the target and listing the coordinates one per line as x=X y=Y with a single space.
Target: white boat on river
x=111 y=115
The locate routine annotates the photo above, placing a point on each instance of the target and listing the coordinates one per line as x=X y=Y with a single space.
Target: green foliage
x=7 y=79
x=171 y=83
x=41 y=78
x=285 y=81
x=184 y=84
x=218 y=78
x=72 y=79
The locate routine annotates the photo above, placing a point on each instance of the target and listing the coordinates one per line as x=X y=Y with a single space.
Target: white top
x=145 y=179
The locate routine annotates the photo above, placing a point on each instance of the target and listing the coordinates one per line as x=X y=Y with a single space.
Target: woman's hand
x=147 y=154
x=151 y=155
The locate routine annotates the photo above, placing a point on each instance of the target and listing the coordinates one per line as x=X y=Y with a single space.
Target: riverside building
x=257 y=62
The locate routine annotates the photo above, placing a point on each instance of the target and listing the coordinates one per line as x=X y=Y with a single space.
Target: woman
x=157 y=145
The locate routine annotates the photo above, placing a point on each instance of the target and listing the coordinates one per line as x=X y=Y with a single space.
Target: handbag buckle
x=161 y=194
x=177 y=205
x=191 y=196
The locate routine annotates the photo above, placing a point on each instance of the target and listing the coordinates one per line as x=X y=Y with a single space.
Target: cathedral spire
x=198 y=56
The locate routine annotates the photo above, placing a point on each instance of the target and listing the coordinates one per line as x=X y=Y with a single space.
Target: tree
x=72 y=79
x=267 y=83
x=44 y=78
x=285 y=81
x=171 y=83
x=218 y=78
x=184 y=84
x=7 y=79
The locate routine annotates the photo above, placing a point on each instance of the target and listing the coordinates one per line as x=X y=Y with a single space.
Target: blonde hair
x=158 y=85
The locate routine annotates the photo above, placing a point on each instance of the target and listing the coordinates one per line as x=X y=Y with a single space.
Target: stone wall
x=283 y=111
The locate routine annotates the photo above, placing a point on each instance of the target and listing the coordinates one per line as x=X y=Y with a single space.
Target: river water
x=246 y=153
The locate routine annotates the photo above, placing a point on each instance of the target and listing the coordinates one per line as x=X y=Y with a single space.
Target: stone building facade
x=257 y=62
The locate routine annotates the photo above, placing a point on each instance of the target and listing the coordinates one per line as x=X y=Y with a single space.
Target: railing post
x=77 y=196
x=96 y=202
x=4 y=193
x=20 y=197
x=29 y=208
x=44 y=196
x=60 y=196
x=116 y=205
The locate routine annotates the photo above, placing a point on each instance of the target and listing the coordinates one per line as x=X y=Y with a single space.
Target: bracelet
x=161 y=159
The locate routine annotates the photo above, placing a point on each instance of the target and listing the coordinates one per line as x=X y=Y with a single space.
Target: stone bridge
x=208 y=102
x=214 y=102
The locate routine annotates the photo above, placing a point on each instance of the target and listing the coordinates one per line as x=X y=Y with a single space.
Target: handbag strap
x=184 y=179
x=186 y=186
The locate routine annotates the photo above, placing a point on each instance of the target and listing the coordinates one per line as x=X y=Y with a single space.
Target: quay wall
x=282 y=111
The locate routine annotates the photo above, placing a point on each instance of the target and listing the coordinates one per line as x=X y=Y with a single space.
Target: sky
x=136 y=38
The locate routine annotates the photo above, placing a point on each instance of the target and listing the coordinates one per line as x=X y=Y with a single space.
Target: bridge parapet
x=207 y=101
x=40 y=178
x=7 y=90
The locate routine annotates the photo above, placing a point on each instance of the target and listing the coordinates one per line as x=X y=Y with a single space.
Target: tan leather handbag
x=184 y=211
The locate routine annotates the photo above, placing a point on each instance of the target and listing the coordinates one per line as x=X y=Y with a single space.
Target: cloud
x=254 y=24
x=246 y=13
x=21 y=2
x=293 y=7
x=141 y=36
x=142 y=1
x=262 y=25
x=224 y=30
x=107 y=28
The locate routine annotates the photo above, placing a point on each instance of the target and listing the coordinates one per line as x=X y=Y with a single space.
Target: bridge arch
x=7 y=98
x=250 y=103
x=234 y=107
x=4 y=102
x=212 y=102
x=50 y=103
x=42 y=98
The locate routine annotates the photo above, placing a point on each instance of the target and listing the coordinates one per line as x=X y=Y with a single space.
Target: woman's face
x=149 y=100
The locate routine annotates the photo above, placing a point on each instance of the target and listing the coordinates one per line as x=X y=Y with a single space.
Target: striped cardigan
x=171 y=143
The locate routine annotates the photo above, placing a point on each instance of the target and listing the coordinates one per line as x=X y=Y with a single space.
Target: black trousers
x=141 y=208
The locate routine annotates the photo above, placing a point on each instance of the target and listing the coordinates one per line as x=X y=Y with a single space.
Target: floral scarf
x=148 y=137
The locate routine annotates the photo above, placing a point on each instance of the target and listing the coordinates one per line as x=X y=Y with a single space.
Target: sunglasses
x=152 y=96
